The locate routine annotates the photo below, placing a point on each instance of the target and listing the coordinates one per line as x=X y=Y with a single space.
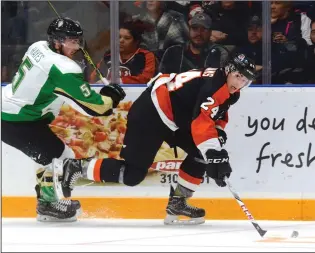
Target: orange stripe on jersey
x=189 y=178
x=97 y=170
x=203 y=127
x=164 y=100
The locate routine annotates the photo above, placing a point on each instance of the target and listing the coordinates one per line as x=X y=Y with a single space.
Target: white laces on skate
x=64 y=210
x=62 y=205
x=74 y=179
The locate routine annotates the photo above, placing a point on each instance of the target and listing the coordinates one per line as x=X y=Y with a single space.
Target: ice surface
x=91 y=235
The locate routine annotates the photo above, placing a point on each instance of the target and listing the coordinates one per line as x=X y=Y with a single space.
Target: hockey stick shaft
x=240 y=202
x=85 y=53
x=53 y=8
x=250 y=217
x=89 y=59
x=245 y=209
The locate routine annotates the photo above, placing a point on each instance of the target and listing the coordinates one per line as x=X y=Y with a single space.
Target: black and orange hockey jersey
x=197 y=100
x=138 y=69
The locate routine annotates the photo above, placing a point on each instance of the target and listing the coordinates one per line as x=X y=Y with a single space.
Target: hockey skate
x=49 y=208
x=66 y=173
x=177 y=206
x=59 y=211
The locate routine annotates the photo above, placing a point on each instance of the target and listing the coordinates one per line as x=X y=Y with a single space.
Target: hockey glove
x=221 y=136
x=218 y=166
x=115 y=92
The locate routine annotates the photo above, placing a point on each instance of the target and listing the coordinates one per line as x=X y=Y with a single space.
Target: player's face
x=70 y=46
x=236 y=81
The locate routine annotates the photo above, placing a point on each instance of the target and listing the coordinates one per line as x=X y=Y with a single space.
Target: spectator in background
x=187 y=8
x=308 y=7
x=311 y=61
x=290 y=23
x=289 y=48
x=170 y=27
x=199 y=52
x=190 y=8
x=253 y=47
x=230 y=20
x=137 y=65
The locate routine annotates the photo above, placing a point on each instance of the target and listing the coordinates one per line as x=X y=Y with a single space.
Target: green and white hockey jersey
x=41 y=80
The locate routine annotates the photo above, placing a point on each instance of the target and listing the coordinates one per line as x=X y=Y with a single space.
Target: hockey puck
x=295 y=234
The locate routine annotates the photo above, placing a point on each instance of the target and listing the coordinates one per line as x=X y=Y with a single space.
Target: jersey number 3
x=25 y=66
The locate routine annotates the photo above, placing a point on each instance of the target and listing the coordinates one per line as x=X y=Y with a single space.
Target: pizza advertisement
x=102 y=137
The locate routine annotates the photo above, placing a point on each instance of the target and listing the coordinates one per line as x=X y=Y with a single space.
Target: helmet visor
x=239 y=80
x=74 y=43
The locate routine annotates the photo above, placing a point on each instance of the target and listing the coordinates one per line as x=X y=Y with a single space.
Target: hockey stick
x=245 y=210
x=85 y=53
x=250 y=217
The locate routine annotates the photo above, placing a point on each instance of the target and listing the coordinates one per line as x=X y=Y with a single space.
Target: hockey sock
x=187 y=184
x=104 y=170
x=183 y=191
x=92 y=170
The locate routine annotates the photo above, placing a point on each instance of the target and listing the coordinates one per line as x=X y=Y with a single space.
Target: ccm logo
x=218 y=160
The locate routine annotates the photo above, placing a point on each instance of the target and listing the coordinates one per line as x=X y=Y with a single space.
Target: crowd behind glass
x=171 y=36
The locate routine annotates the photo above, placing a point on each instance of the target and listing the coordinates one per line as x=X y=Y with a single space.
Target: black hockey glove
x=115 y=92
x=218 y=166
x=221 y=136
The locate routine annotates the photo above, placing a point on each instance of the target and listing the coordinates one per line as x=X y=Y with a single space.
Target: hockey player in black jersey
x=188 y=110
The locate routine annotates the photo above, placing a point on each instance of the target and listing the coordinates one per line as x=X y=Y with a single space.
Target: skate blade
x=174 y=220
x=46 y=218
x=79 y=212
x=57 y=166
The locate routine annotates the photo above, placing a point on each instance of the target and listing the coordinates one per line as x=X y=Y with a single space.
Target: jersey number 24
x=182 y=78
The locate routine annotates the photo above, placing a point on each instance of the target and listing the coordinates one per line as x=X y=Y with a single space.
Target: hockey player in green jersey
x=46 y=78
